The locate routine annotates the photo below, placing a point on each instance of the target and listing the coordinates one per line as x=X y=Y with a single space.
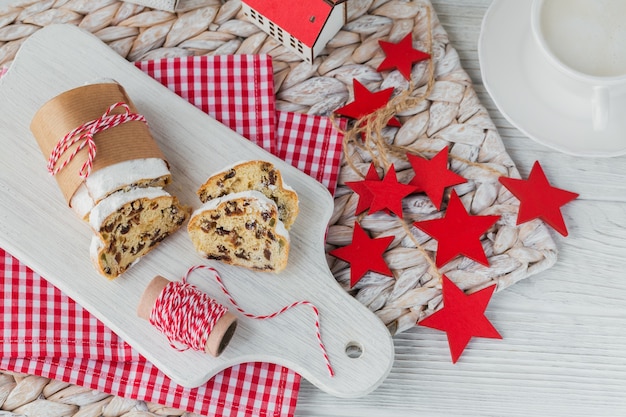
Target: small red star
x=401 y=55
x=364 y=254
x=433 y=176
x=458 y=233
x=360 y=187
x=388 y=193
x=538 y=199
x=462 y=317
x=365 y=103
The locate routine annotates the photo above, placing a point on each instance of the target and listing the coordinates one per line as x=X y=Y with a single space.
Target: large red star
x=360 y=187
x=401 y=55
x=462 y=317
x=365 y=103
x=458 y=233
x=433 y=176
x=538 y=199
x=364 y=254
x=388 y=193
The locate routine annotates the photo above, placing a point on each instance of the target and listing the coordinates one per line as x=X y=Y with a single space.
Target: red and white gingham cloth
x=248 y=108
x=299 y=144
x=310 y=143
x=46 y=333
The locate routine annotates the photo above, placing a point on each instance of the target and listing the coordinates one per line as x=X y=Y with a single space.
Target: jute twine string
x=367 y=134
x=370 y=129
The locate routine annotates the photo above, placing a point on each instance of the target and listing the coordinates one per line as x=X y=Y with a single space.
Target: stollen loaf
x=110 y=170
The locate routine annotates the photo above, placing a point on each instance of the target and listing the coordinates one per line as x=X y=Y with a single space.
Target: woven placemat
x=444 y=111
x=34 y=396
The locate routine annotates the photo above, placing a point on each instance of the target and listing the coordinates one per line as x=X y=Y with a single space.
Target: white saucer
x=526 y=89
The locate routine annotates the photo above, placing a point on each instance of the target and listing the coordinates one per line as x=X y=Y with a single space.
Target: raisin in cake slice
x=253 y=175
x=129 y=224
x=241 y=229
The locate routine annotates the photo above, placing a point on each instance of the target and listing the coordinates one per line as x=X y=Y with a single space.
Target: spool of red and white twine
x=191 y=319
x=85 y=133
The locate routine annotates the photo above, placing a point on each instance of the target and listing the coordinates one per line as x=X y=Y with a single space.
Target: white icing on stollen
x=104 y=181
x=94 y=249
x=100 y=183
x=81 y=202
x=258 y=200
x=227 y=168
x=287 y=187
x=116 y=200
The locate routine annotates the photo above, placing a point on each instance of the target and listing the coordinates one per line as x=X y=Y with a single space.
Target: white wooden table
x=563 y=351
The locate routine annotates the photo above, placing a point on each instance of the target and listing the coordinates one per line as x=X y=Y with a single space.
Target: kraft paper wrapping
x=73 y=108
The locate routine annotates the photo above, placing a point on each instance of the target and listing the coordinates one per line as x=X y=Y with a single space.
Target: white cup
x=585 y=40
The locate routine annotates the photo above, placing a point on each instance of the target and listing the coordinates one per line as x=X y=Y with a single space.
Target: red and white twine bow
x=85 y=133
x=272 y=315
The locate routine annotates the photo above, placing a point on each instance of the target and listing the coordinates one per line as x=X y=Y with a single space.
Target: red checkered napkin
x=46 y=333
x=310 y=143
x=299 y=143
x=248 y=108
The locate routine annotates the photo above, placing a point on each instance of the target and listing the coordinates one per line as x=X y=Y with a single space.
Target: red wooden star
x=364 y=254
x=360 y=187
x=401 y=55
x=388 y=193
x=538 y=199
x=433 y=176
x=462 y=317
x=365 y=103
x=458 y=233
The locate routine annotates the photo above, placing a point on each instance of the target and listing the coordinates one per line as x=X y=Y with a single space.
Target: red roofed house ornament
x=303 y=27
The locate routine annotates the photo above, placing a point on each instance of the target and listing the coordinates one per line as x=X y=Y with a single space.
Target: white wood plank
x=564 y=346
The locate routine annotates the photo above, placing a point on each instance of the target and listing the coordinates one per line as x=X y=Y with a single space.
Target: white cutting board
x=38 y=228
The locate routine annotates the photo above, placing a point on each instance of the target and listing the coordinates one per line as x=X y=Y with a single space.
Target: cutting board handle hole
x=354 y=350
